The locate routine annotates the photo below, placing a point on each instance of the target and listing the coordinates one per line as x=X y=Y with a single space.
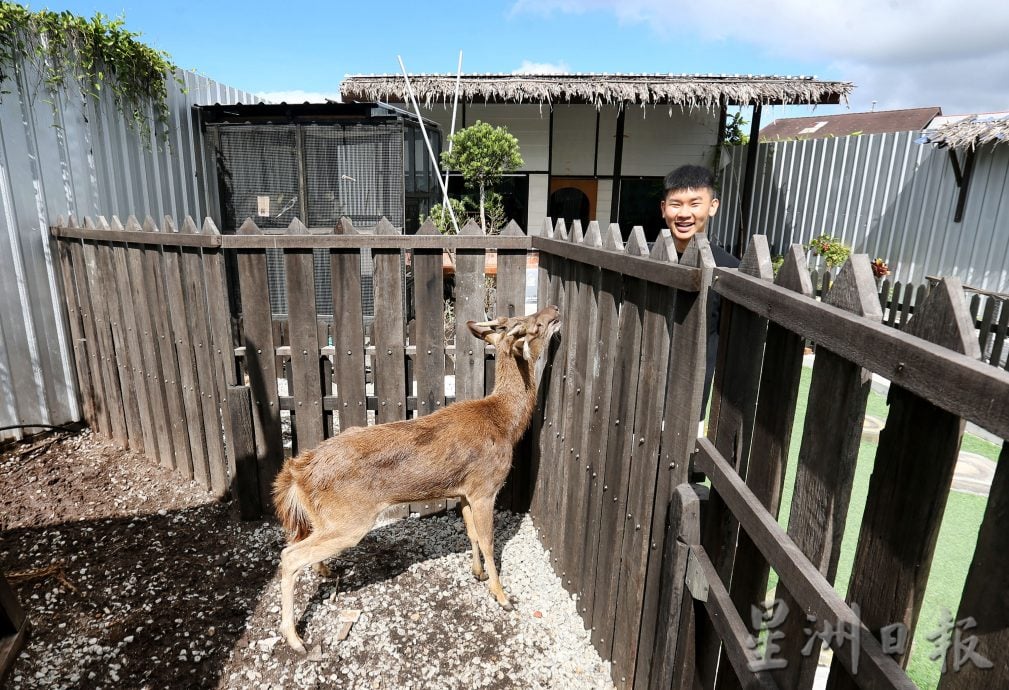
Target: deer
x=328 y=498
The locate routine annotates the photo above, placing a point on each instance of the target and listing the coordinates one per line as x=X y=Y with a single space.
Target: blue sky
x=899 y=54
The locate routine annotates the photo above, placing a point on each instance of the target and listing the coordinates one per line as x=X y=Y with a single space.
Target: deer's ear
x=480 y=330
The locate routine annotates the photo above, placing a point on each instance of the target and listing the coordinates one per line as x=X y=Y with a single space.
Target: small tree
x=482 y=153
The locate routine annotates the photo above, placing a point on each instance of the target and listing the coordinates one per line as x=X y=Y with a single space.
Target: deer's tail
x=288 y=501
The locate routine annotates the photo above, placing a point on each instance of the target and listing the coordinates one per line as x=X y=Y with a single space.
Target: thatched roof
x=971 y=132
x=685 y=90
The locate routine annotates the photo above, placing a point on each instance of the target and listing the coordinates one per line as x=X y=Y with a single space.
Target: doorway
x=572 y=198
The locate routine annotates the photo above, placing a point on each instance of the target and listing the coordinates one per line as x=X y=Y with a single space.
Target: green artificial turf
x=954 y=548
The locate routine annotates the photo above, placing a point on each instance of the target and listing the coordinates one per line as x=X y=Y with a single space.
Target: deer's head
x=524 y=337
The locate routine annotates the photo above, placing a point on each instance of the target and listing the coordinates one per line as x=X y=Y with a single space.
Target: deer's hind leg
x=483 y=522
x=474 y=540
x=317 y=547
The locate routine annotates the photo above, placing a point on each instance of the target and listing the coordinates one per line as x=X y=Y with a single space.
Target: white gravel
x=432 y=625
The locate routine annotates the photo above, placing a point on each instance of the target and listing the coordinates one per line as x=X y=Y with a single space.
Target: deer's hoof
x=322 y=569
x=294 y=641
x=480 y=575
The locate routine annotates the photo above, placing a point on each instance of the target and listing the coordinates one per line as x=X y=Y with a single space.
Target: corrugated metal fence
x=82 y=160
x=884 y=195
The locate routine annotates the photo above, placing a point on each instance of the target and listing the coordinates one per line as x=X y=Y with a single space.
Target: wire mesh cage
x=327 y=162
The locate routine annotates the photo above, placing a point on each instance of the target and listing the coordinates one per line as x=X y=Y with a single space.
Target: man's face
x=686 y=212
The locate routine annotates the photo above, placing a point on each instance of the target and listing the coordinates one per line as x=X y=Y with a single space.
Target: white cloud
x=900 y=53
x=529 y=67
x=297 y=96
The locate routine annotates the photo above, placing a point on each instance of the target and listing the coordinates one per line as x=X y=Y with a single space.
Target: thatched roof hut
x=971 y=132
x=685 y=90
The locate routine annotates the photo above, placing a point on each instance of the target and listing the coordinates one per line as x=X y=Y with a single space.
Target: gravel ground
x=135 y=578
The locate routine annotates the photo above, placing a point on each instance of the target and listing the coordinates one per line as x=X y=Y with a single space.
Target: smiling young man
x=688 y=202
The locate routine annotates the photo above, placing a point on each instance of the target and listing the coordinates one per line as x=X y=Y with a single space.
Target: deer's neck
x=515 y=386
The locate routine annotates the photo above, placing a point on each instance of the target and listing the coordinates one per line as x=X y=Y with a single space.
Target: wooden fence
x=164 y=368
x=988 y=310
x=718 y=567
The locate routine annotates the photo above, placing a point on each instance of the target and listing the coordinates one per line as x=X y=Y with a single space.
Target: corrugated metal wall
x=77 y=160
x=885 y=196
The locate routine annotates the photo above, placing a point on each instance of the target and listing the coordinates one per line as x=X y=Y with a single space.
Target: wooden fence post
x=984 y=597
x=910 y=482
x=828 y=452
x=673 y=665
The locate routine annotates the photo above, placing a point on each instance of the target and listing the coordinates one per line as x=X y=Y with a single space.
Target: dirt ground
x=133 y=577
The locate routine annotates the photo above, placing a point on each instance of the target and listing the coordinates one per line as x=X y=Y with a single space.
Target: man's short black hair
x=689 y=177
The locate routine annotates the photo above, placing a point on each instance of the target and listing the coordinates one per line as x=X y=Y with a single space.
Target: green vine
x=98 y=54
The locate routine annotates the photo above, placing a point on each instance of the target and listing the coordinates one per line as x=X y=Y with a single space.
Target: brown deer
x=329 y=497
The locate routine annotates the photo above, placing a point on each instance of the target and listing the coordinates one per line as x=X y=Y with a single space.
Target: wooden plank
x=811 y=590
x=161 y=328
x=429 y=307
x=243 y=475
x=82 y=364
x=831 y=437
x=905 y=308
x=14 y=628
x=636 y=630
x=260 y=363
x=884 y=294
x=729 y=626
x=581 y=395
x=553 y=403
x=673 y=657
x=107 y=355
x=975 y=304
x=182 y=334
x=917 y=448
x=984 y=330
x=894 y=309
x=1000 y=335
x=133 y=237
x=110 y=279
x=469 y=306
x=305 y=355
x=348 y=335
x=142 y=425
x=151 y=379
x=548 y=292
x=669 y=275
x=553 y=488
x=776 y=401
x=317 y=238
x=606 y=616
x=681 y=410
x=511 y=282
x=376 y=241
x=608 y=310
x=197 y=310
x=571 y=474
x=387 y=333
x=733 y=410
x=246 y=476
x=984 y=596
x=919 y=366
x=91 y=340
